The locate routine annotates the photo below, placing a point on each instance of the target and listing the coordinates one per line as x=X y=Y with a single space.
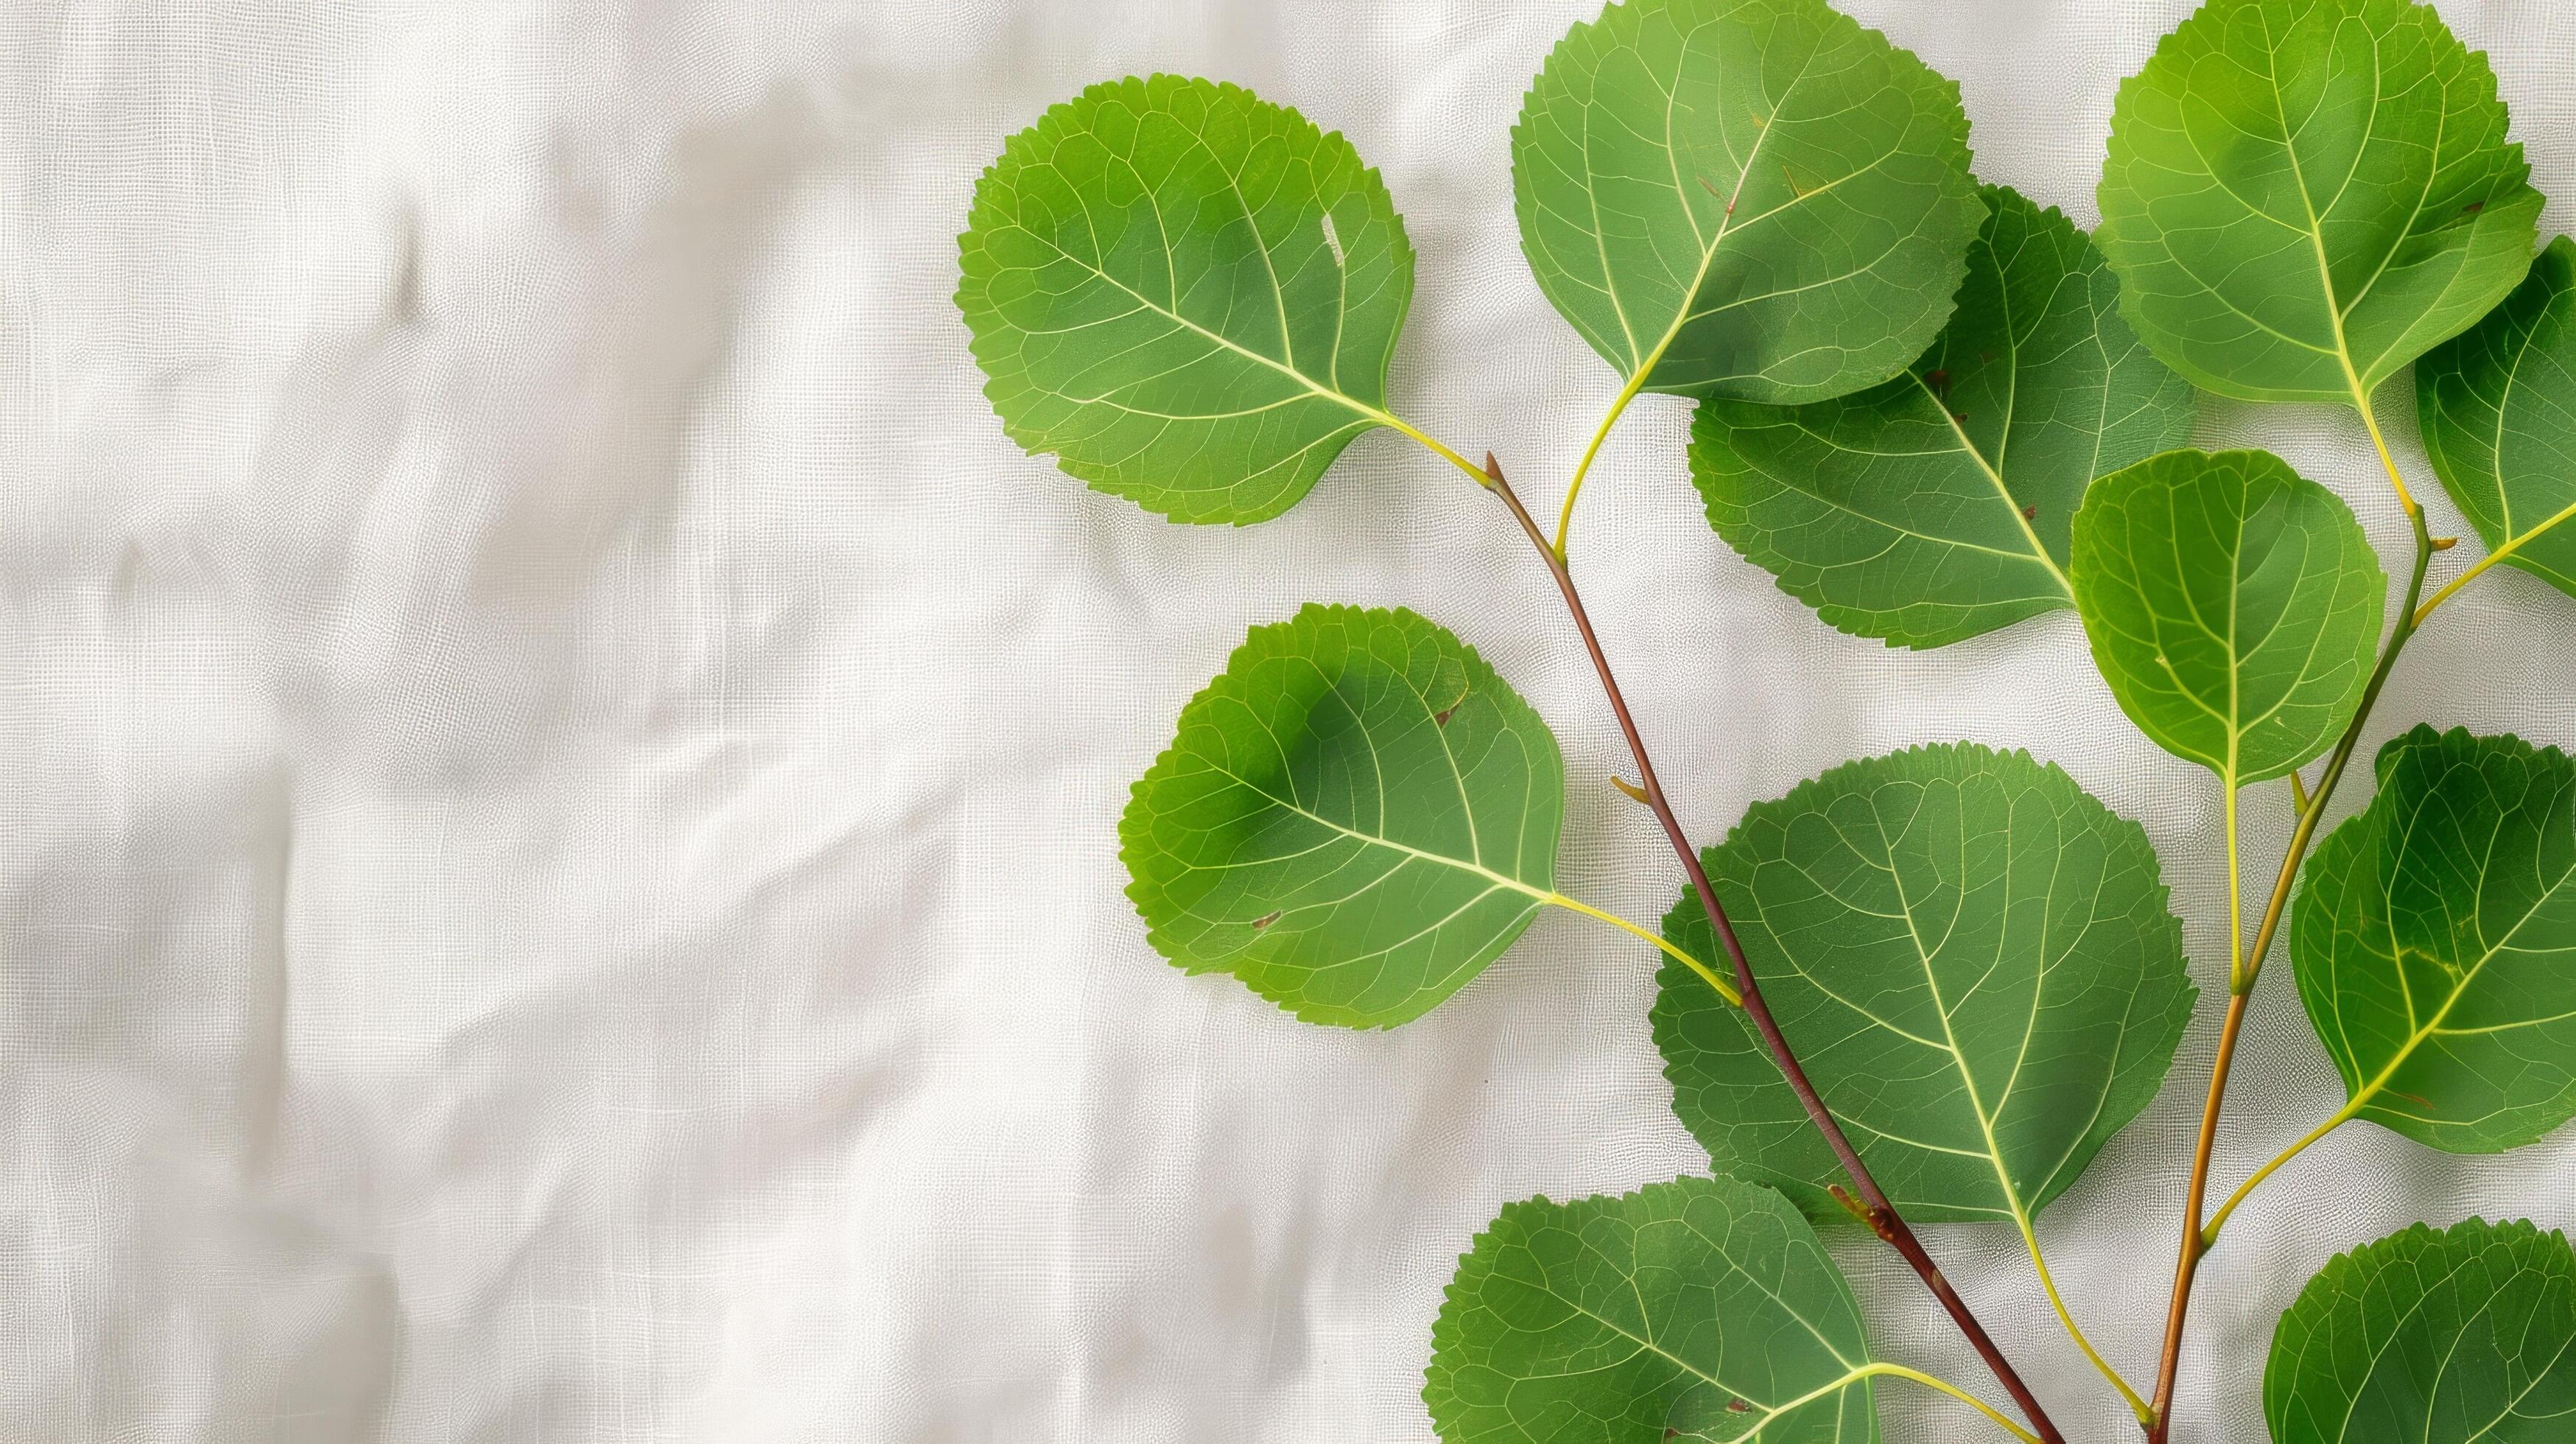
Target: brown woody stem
x=1874 y=1207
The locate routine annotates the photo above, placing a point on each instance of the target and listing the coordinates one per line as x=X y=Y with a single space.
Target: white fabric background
x=557 y=877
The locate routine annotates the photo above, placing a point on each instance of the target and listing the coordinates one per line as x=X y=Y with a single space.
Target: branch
x=2196 y=1242
x=1874 y=1205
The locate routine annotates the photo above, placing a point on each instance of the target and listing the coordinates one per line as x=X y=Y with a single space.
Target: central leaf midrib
x=2029 y=533
x=2467 y=979
x=2397 y=1327
x=1940 y=1006
x=1852 y=1373
x=1682 y=315
x=1374 y=414
x=1375 y=840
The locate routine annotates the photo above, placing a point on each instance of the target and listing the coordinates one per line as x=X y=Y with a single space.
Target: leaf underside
x=2460 y=1336
x=1188 y=294
x=1972 y=957
x=2498 y=407
x=1356 y=817
x=2232 y=605
x=2435 y=942
x=1748 y=198
x=2302 y=196
x=1936 y=507
x=1693 y=1311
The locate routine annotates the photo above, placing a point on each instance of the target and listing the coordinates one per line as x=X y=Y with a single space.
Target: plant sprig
x=1930 y=985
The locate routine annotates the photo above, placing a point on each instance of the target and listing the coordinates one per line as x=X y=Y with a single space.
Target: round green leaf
x=2435 y=943
x=1747 y=198
x=2233 y=606
x=1187 y=294
x=2302 y=196
x=1973 y=959
x=1356 y=817
x=1937 y=507
x=1698 y=1310
x=2463 y=1336
x=2499 y=412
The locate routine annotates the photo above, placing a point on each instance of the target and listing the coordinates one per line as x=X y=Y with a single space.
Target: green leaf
x=2463 y=1336
x=2499 y=413
x=1747 y=198
x=1972 y=957
x=2436 y=943
x=1702 y=1309
x=2233 y=606
x=1187 y=294
x=1356 y=817
x=1936 y=507
x=2302 y=196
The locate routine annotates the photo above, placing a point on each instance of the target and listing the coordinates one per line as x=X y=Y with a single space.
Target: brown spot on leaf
x=1960 y=417
x=2030 y=513
x=1442 y=717
x=2472 y=208
x=1738 y=1406
x=1264 y=922
x=1937 y=380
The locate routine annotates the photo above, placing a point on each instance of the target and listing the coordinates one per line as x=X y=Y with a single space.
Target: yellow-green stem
x=1707 y=974
x=2490 y=559
x=2218 y=1220
x=1600 y=434
x=1432 y=444
x=2048 y=1285
x=1894 y=1371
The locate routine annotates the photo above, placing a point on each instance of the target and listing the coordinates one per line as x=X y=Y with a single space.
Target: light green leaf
x=1703 y=1309
x=1973 y=959
x=2499 y=413
x=1747 y=198
x=2233 y=606
x=2436 y=943
x=1936 y=507
x=1356 y=817
x=2464 y=1336
x=1187 y=294
x=2302 y=196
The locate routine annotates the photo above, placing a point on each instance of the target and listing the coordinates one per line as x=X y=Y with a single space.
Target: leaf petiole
x=2048 y=1284
x=2218 y=1220
x=1706 y=973
x=2490 y=559
x=1893 y=1371
x=1600 y=434
x=1429 y=442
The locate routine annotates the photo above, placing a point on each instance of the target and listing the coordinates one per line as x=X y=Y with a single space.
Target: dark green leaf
x=1747 y=198
x=2499 y=413
x=1356 y=817
x=2436 y=943
x=2466 y=1336
x=2302 y=196
x=1972 y=957
x=2233 y=606
x=1699 y=1310
x=1936 y=507
x=1187 y=294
